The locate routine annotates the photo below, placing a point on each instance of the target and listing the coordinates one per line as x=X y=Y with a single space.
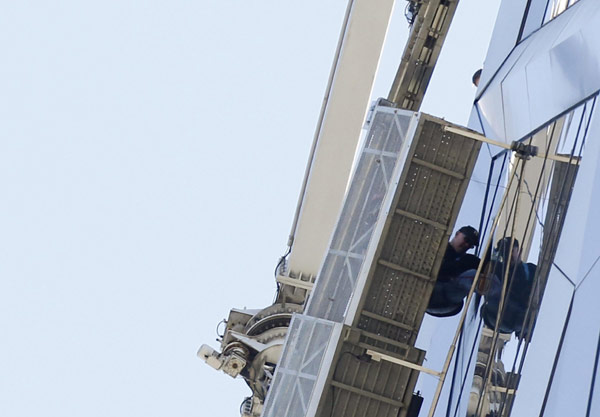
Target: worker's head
x=465 y=238
x=476 y=77
x=503 y=250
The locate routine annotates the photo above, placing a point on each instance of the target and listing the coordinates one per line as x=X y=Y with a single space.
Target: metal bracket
x=523 y=151
x=518 y=147
x=378 y=356
x=295 y=282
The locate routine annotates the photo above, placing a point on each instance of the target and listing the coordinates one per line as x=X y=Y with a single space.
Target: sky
x=151 y=159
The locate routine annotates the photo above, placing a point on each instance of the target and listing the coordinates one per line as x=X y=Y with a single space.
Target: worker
x=519 y=286
x=476 y=77
x=456 y=274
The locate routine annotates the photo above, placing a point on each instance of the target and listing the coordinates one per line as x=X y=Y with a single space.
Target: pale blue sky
x=150 y=163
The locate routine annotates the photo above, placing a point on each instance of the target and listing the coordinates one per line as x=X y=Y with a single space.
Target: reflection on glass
x=541 y=12
x=542 y=195
x=556 y=7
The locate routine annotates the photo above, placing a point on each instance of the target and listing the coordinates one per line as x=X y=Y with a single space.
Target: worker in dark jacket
x=520 y=279
x=456 y=274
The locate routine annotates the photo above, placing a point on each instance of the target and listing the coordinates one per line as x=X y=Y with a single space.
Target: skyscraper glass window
x=540 y=12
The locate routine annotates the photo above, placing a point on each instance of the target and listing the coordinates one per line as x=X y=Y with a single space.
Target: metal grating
x=308 y=340
x=434 y=182
x=401 y=275
x=362 y=206
x=379 y=271
x=370 y=388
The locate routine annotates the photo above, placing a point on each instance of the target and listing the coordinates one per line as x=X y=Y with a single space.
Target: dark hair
x=471 y=234
x=503 y=247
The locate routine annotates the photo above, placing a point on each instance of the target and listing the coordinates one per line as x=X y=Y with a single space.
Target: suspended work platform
x=352 y=352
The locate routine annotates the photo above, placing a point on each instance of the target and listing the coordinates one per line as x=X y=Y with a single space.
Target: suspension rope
x=499 y=315
x=501 y=311
x=444 y=371
x=471 y=354
x=513 y=213
x=548 y=247
x=536 y=277
x=528 y=323
x=507 y=288
x=482 y=230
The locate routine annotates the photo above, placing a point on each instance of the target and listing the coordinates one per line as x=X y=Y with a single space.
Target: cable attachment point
x=523 y=151
x=412 y=10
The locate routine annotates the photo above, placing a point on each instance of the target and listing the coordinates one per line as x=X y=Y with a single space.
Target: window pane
x=535 y=17
x=555 y=8
x=541 y=12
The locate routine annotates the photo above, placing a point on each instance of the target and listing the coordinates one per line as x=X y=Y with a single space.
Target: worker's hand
x=483 y=285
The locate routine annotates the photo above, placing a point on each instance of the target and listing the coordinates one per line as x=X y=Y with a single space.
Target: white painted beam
x=338 y=131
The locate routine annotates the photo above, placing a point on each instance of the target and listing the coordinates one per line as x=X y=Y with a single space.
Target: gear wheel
x=277 y=315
